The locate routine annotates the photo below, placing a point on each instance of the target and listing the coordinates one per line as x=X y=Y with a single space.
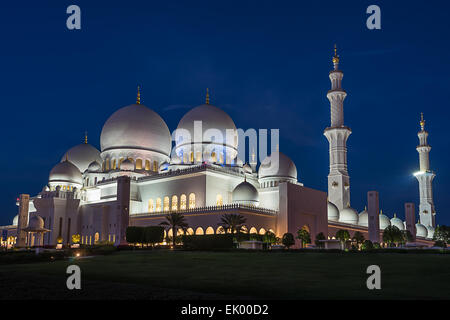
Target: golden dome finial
x=85 y=137
x=335 y=57
x=138 y=99
x=422 y=122
x=207 y=95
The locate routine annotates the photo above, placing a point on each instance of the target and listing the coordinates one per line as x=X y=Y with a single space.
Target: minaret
x=337 y=135
x=425 y=177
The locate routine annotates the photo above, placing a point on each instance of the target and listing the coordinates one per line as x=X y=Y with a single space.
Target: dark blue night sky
x=266 y=64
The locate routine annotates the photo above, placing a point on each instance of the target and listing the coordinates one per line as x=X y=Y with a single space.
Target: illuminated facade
x=138 y=177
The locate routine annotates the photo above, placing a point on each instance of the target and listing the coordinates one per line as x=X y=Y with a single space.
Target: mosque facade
x=138 y=176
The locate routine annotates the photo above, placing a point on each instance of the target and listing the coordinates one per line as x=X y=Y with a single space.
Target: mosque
x=138 y=177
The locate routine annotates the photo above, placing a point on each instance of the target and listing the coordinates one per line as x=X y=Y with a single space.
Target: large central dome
x=212 y=118
x=136 y=127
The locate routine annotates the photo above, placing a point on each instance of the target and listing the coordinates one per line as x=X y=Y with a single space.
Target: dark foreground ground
x=232 y=275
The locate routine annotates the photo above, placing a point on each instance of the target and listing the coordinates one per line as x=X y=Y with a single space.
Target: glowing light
x=418 y=173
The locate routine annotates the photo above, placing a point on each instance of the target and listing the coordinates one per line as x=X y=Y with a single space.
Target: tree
x=442 y=235
x=153 y=234
x=270 y=237
x=407 y=236
x=358 y=237
x=320 y=236
x=288 y=240
x=304 y=237
x=343 y=236
x=175 y=220
x=134 y=235
x=367 y=245
x=232 y=222
x=392 y=235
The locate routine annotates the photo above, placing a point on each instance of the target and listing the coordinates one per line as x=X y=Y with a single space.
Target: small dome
x=36 y=223
x=94 y=166
x=280 y=167
x=82 y=155
x=384 y=221
x=136 y=127
x=16 y=220
x=65 y=172
x=348 y=215
x=363 y=218
x=421 y=230
x=430 y=232
x=397 y=222
x=127 y=165
x=245 y=193
x=332 y=212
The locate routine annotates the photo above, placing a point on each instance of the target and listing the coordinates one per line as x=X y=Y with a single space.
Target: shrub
x=153 y=234
x=288 y=240
x=367 y=245
x=135 y=234
x=376 y=245
x=208 y=242
x=320 y=236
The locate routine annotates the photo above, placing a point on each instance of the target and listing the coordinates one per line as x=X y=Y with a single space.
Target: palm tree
x=175 y=220
x=232 y=222
x=304 y=237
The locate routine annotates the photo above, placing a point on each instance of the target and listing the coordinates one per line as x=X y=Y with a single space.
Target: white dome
x=211 y=117
x=430 y=232
x=82 y=155
x=245 y=193
x=94 y=166
x=397 y=222
x=421 y=230
x=363 y=218
x=384 y=221
x=332 y=212
x=16 y=220
x=281 y=167
x=136 y=127
x=348 y=215
x=127 y=165
x=65 y=172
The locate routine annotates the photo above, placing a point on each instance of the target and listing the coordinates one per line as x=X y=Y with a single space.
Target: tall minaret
x=337 y=135
x=425 y=177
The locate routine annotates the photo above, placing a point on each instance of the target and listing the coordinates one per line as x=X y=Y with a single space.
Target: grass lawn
x=233 y=275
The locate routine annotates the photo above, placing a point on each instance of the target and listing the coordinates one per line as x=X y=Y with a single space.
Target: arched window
x=209 y=230
x=219 y=200
x=262 y=231
x=221 y=158
x=253 y=230
x=199 y=231
x=147 y=165
x=183 y=202
x=96 y=237
x=199 y=156
x=192 y=156
x=114 y=164
x=192 y=201
x=166 y=204
x=87 y=181
x=158 y=205
x=120 y=162
x=220 y=230
x=174 y=203
x=213 y=157
x=107 y=164
x=189 y=231
x=180 y=232
x=150 y=205
x=138 y=164
x=155 y=166
x=244 y=229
